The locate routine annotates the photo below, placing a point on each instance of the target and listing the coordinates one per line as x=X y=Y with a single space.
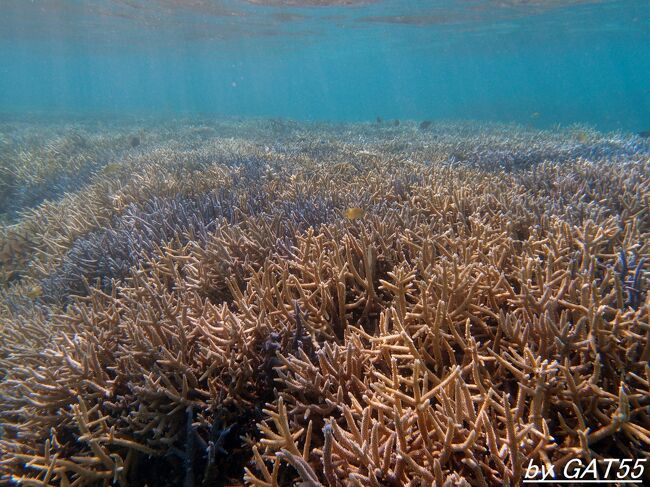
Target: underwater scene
x=325 y=243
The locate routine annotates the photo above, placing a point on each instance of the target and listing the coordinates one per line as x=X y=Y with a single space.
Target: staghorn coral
x=484 y=312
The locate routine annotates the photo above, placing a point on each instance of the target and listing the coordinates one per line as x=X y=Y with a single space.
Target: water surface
x=538 y=62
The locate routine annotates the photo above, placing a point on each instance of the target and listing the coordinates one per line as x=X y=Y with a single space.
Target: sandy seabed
x=265 y=302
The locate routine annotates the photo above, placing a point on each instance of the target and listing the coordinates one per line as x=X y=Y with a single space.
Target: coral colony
x=270 y=303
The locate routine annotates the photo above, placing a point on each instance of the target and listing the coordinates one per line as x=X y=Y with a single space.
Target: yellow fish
x=582 y=137
x=35 y=292
x=354 y=213
x=111 y=168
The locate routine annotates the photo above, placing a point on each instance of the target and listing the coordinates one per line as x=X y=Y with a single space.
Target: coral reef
x=273 y=303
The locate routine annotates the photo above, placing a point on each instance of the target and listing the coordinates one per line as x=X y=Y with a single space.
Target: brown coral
x=473 y=320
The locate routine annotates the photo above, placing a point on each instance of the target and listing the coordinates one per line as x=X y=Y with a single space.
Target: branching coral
x=473 y=320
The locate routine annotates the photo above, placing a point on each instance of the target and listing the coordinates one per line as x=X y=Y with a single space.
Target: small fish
x=425 y=125
x=644 y=134
x=379 y=120
x=534 y=115
x=396 y=123
x=35 y=292
x=582 y=137
x=354 y=213
x=111 y=168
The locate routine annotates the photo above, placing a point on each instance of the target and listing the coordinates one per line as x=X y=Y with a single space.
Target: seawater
x=323 y=242
x=537 y=62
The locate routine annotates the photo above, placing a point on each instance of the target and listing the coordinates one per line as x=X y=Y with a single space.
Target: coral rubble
x=204 y=295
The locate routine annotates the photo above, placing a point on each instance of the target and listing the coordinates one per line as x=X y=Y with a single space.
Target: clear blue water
x=539 y=62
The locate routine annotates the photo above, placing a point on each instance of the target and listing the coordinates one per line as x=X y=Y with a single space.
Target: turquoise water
x=538 y=62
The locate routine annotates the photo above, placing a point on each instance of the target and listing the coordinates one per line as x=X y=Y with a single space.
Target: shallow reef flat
x=266 y=302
